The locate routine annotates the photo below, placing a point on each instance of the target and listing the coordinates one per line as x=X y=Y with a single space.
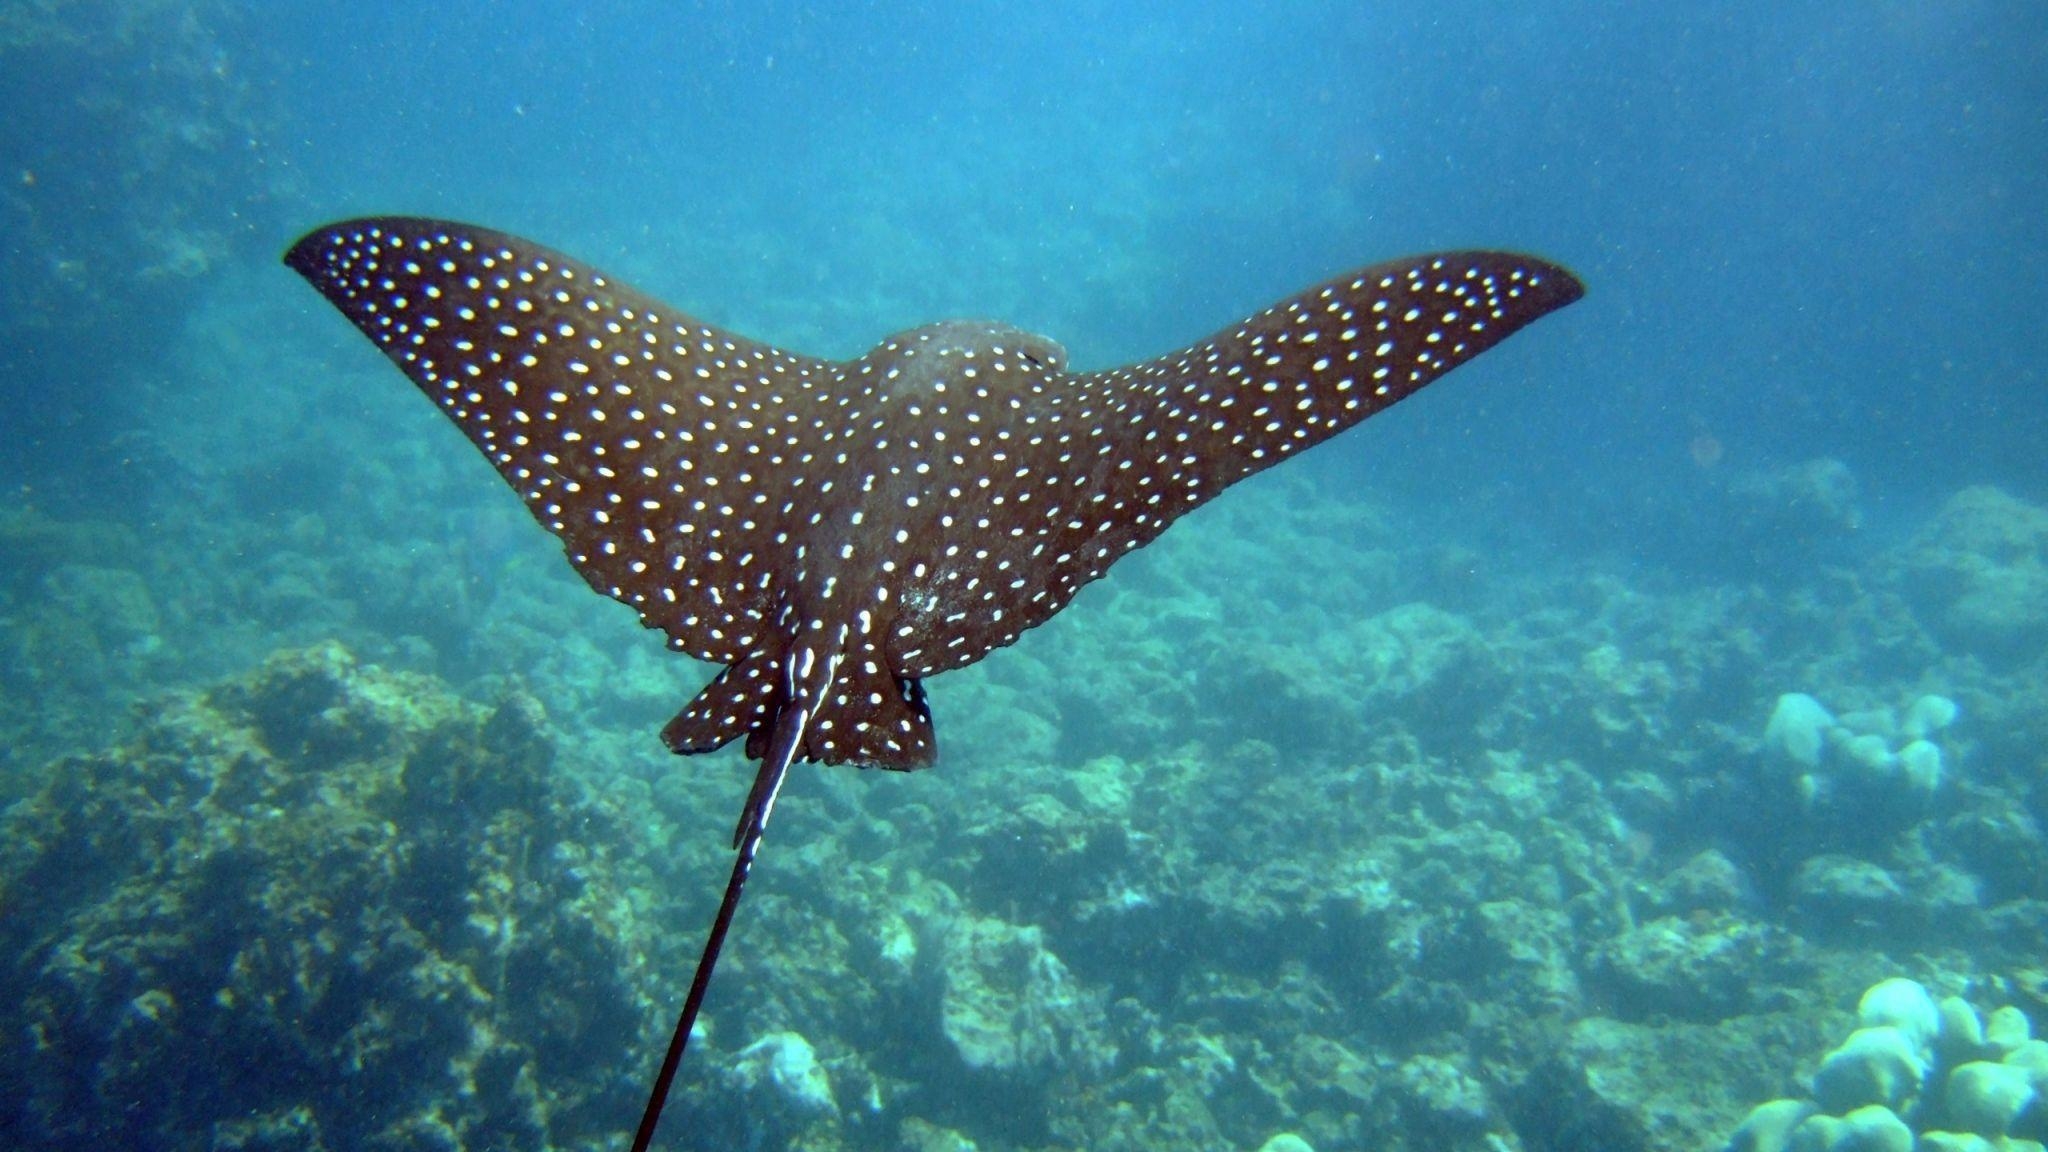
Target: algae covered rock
x=915 y=1135
x=77 y=630
x=1979 y=572
x=786 y=1068
x=1707 y=882
x=319 y=906
x=1700 y=967
x=1838 y=887
x=1622 y=1086
x=1010 y=1005
x=1441 y=1104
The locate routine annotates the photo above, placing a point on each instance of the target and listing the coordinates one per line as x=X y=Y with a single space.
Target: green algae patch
x=323 y=905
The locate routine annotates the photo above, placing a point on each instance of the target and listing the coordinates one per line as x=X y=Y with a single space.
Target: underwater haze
x=1638 y=741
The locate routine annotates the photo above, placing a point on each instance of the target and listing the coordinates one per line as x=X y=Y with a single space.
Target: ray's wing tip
x=1560 y=284
x=1564 y=284
x=300 y=256
x=1569 y=287
x=304 y=256
x=304 y=252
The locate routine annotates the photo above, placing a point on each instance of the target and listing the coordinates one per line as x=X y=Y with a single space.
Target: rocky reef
x=1376 y=853
x=318 y=906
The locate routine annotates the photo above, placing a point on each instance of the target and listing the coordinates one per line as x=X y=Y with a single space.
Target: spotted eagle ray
x=835 y=531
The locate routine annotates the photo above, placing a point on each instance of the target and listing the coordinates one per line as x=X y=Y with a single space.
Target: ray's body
x=832 y=532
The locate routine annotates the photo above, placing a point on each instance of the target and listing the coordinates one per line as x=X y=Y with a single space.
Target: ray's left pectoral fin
x=573 y=385
x=1316 y=364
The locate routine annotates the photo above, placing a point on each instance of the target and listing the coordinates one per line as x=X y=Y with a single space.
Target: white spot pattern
x=913 y=509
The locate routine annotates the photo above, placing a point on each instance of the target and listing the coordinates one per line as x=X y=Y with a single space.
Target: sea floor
x=1306 y=824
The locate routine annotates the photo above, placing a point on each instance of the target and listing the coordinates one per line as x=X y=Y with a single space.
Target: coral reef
x=1373 y=858
x=317 y=906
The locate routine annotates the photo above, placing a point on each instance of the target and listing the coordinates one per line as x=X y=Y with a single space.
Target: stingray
x=833 y=532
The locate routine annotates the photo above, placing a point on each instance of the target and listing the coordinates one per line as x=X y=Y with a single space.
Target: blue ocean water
x=1240 y=845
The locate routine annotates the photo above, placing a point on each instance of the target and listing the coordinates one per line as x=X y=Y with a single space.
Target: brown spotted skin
x=901 y=514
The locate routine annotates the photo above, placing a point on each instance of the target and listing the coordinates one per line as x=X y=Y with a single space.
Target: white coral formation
x=1873 y=1066
x=1874 y=745
x=1871 y=1128
x=1798 y=729
x=1915 y=1075
x=1902 y=1004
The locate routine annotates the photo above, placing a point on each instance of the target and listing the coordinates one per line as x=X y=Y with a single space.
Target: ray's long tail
x=790 y=724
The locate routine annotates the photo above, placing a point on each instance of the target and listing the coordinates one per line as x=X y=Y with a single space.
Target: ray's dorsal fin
x=835 y=531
